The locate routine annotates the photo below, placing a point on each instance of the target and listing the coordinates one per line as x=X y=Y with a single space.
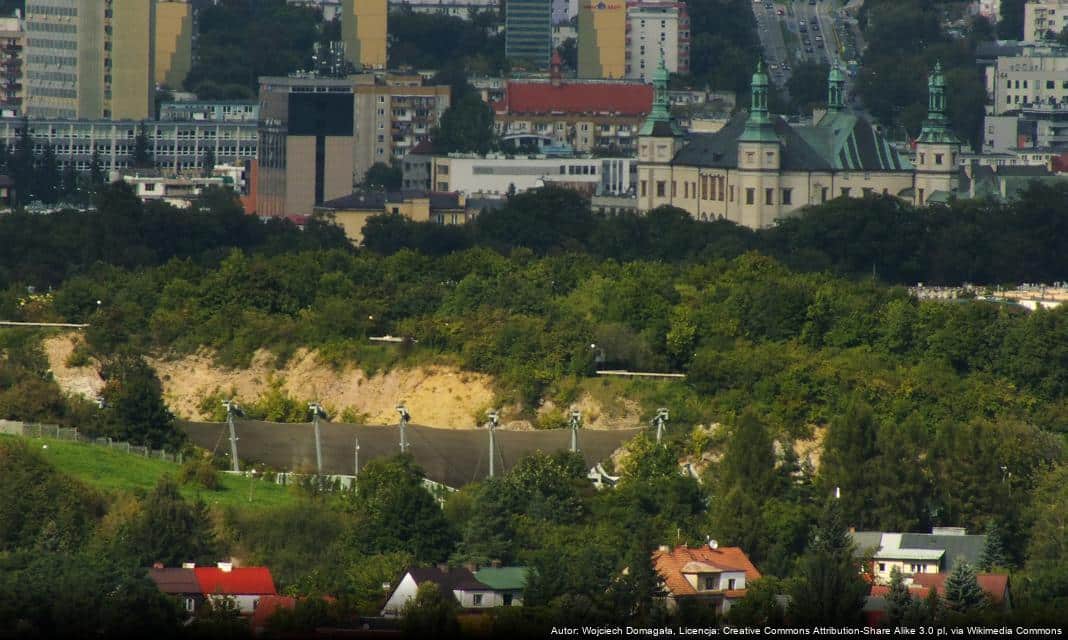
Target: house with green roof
x=917 y=553
x=759 y=168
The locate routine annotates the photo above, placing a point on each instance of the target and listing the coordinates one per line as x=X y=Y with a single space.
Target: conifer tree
x=831 y=589
x=993 y=549
x=899 y=600
x=963 y=593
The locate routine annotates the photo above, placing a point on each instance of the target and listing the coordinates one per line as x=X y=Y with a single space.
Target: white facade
x=1044 y=16
x=463 y=9
x=1037 y=76
x=654 y=29
x=177 y=192
x=246 y=605
x=468 y=599
x=496 y=175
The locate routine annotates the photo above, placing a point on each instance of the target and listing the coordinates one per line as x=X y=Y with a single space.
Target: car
x=781 y=12
x=808 y=49
x=815 y=27
x=819 y=38
x=802 y=29
x=773 y=66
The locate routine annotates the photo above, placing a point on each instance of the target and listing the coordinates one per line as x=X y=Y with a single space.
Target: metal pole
x=404 y=417
x=316 y=409
x=234 y=464
x=660 y=420
x=356 y=457
x=576 y=420
x=494 y=418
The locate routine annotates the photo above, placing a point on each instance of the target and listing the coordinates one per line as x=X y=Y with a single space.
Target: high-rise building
x=602 y=48
x=12 y=43
x=319 y=135
x=657 y=29
x=174 y=42
x=528 y=31
x=1043 y=18
x=90 y=59
x=365 y=30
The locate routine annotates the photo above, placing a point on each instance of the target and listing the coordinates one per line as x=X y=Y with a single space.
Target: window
x=771 y=157
x=507 y=598
x=672 y=188
x=750 y=195
x=749 y=155
x=845 y=191
x=882 y=567
x=867 y=191
x=190 y=604
x=661 y=188
x=732 y=193
x=1050 y=84
x=787 y=196
x=938 y=158
x=708 y=583
x=643 y=188
x=730 y=583
x=923 y=158
x=477 y=599
x=769 y=196
x=921 y=196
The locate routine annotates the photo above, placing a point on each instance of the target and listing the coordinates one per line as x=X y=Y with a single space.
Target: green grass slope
x=116 y=471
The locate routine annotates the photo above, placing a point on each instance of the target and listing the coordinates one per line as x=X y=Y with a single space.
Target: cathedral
x=759 y=168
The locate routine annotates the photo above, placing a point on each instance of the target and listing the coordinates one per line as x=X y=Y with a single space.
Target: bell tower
x=759 y=161
x=937 y=149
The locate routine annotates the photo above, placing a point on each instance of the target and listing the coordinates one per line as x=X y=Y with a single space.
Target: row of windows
x=49 y=43
x=48 y=10
x=714 y=187
x=51 y=27
x=55 y=76
x=50 y=92
x=1050 y=84
x=39 y=58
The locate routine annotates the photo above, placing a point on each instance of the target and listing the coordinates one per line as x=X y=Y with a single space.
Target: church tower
x=658 y=141
x=937 y=149
x=835 y=90
x=759 y=162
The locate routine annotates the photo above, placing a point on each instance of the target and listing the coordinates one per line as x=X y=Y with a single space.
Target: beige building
x=174 y=42
x=90 y=59
x=365 y=32
x=759 y=168
x=351 y=212
x=657 y=29
x=602 y=32
x=319 y=135
x=1043 y=17
x=1031 y=75
x=12 y=45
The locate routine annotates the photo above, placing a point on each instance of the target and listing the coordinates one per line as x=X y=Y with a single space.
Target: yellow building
x=174 y=42
x=88 y=59
x=602 y=39
x=352 y=212
x=365 y=30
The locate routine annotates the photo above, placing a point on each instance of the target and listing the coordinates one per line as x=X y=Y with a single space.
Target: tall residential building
x=12 y=43
x=90 y=59
x=365 y=31
x=1042 y=17
x=319 y=135
x=602 y=48
x=174 y=42
x=657 y=29
x=528 y=31
x=1024 y=75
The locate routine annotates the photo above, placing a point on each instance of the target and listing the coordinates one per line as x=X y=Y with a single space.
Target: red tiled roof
x=266 y=608
x=239 y=581
x=669 y=565
x=627 y=99
x=996 y=585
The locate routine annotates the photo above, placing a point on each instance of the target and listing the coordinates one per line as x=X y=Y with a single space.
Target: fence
x=56 y=432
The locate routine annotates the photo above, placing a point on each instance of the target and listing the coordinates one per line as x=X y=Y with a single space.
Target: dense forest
x=929 y=413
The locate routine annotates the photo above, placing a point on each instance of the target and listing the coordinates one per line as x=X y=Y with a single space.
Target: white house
x=504 y=588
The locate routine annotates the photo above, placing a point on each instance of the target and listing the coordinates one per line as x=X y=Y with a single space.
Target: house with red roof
x=245 y=585
x=587 y=115
x=994 y=585
x=714 y=575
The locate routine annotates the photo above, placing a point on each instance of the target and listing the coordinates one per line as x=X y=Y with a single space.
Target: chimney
x=664 y=548
x=157 y=565
x=496 y=564
x=225 y=567
x=713 y=543
x=189 y=565
x=852 y=530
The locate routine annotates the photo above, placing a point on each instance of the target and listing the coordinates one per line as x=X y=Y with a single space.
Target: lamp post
x=356 y=458
x=660 y=421
x=575 y=422
x=317 y=410
x=405 y=417
x=231 y=409
x=494 y=420
x=251 y=477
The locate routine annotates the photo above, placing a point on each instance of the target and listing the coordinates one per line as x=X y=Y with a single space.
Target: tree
x=431 y=614
x=383 y=177
x=830 y=589
x=142 y=154
x=134 y=409
x=207 y=163
x=962 y=591
x=97 y=177
x=397 y=513
x=808 y=86
x=849 y=447
x=47 y=177
x=899 y=601
x=1011 y=22
x=167 y=529
x=993 y=556
x=466 y=126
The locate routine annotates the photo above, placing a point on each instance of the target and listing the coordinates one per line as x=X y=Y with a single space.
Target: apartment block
x=528 y=33
x=174 y=42
x=90 y=59
x=218 y=111
x=657 y=29
x=12 y=45
x=365 y=32
x=602 y=31
x=319 y=135
x=494 y=175
x=463 y=9
x=1027 y=75
x=1043 y=18
x=175 y=147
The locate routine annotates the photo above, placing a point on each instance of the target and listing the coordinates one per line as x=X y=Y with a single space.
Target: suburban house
x=246 y=585
x=995 y=585
x=498 y=586
x=179 y=583
x=709 y=574
x=917 y=553
x=351 y=212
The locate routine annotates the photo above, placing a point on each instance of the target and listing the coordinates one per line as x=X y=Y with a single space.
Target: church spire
x=758 y=128
x=835 y=90
x=660 y=112
x=936 y=127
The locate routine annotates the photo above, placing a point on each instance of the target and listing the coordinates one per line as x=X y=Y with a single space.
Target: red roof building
x=717 y=575
x=588 y=115
x=228 y=580
x=995 y=585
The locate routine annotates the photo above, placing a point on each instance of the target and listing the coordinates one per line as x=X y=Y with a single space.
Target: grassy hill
x=116 y=471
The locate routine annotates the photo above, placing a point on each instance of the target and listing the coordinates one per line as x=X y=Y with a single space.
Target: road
x=769 y=28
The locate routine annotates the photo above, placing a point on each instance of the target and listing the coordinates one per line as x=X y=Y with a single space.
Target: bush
x=200 y=472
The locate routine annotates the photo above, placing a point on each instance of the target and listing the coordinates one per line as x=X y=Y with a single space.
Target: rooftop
x=536 y=97
x=503 y=578
x=248 y=581
x=672 y=564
